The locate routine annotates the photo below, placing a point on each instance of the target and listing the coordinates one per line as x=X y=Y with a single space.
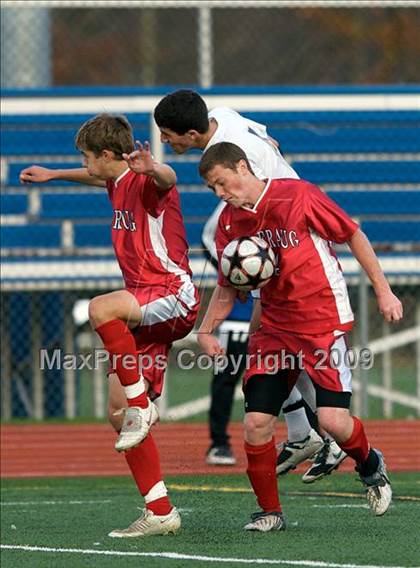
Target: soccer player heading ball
x=305 y=311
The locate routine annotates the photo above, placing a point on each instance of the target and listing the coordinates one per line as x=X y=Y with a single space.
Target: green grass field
x=328 y=524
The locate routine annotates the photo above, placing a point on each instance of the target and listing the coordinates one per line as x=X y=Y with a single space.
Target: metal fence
x=155 y=43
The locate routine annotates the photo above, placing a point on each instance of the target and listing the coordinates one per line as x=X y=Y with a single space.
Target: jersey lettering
x=124 y=219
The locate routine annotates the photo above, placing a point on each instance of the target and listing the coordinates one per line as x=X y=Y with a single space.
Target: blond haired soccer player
x=185 y=123
x=158 y=305
x=305 y=312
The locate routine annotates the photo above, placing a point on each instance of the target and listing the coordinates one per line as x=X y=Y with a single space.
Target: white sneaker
x=326 y=461
x=150 y=524
x=379 y=491
x=265 y=522
x=136 y=425
x=293 y=453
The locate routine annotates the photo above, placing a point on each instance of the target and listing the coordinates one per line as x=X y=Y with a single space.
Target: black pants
x=223 y=387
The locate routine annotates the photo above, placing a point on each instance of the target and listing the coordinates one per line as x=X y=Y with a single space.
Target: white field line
x=192 y=557
x=23 y=503
x=343 y=506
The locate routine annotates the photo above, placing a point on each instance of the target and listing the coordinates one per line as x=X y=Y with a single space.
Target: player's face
x=228 y=185
x=95 y=165
x=179 y=143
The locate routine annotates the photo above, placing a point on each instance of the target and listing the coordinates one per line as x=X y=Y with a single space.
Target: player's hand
x=141 y=160
x=390 y=307
x=36 y=174
x=210 y=345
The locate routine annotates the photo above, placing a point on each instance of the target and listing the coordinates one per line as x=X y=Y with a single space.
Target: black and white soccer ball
x=248 y=263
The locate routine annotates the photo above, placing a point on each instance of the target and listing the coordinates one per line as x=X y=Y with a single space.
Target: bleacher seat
x=359 y=172
x=92 y=235
x=198 y=203
x=75 y=205
x=300 y=133
x=319 y=172
x=350 y=118
x=392 y=232
x=40 y=135
x=387 y=202
x=346 y=140
x=14 y=204
x=31 y=236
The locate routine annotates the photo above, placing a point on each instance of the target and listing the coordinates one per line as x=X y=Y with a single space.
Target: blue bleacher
x=198 y=203
x=391 y=232
x=389 y=202
x=312 y=132
x=348 y=118
x=53 y=134
x=75 y=205
x=325 y=172
x=31 y=235
x=13 y=204
x=346 y=140
x=359 y=172
x=92 y=235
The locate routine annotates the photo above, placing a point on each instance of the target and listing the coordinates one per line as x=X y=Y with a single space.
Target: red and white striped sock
x=144 y=463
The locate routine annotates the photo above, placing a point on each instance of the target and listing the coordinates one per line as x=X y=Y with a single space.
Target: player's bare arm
x=38 y=174
x=219 y=308
x=256 y=316
x=389 y=305
x=141 y=161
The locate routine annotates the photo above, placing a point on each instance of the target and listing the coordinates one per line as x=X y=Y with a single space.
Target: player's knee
x=259 y=428
x=96 y=310
x=335 y=421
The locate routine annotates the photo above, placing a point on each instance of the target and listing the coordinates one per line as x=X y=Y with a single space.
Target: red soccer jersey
x=309 y=294
x=148 y=233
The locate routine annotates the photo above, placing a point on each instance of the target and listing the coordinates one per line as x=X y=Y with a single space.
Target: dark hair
x=106 y=132
x=181 y=111
x=225 y=154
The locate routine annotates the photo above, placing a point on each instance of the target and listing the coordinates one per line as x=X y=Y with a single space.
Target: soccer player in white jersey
x=185 y=123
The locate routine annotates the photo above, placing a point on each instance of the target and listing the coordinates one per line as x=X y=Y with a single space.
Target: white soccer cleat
x=265 y=522
x=136 y=425
x=150 y=524
x=378 y=487
x=294 y=453
x=326 y=461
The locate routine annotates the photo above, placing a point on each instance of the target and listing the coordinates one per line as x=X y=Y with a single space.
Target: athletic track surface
x=71 y=450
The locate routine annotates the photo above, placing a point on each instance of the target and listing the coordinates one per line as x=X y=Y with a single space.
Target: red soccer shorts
x=165 y=318
x=324 y=357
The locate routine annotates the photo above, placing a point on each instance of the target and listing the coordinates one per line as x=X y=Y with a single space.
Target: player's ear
x=108 y=155
x=193 y=134
x=242 y=167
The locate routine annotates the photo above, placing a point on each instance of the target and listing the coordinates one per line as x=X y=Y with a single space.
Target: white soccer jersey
x=266 y=160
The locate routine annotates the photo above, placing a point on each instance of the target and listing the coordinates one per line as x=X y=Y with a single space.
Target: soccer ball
x=248 y=263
